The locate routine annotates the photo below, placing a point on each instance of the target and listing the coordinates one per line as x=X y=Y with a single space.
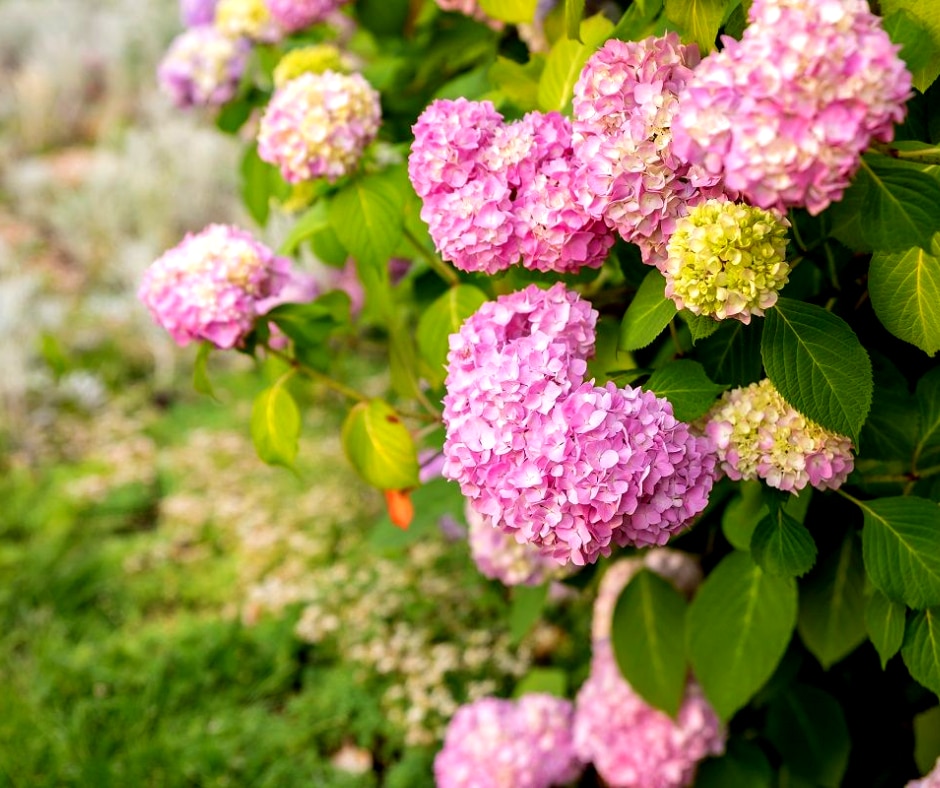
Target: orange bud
x=400 y=508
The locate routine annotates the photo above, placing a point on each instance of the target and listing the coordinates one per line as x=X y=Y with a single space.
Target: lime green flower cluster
x=249 y=18
x=314 y=59
x=726 y=260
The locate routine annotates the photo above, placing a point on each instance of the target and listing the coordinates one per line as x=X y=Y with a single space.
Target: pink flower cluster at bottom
x=495 y=743
x=557 y=462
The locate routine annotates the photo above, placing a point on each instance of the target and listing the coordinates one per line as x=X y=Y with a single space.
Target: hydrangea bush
x=664 y=274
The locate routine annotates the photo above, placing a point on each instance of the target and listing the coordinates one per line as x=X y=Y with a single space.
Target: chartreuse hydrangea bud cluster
x=500 y=557
x=496 y=194
x=759 y=435
x=784 y=115
x=202 y=67
x=496 y=743
x=213 y=285
x=726 y=260
x=313 y=59
x=556 y=461
x=317 y=125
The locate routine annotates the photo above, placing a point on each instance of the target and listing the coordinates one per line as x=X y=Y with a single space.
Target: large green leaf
x=525 y=609
x=905 y=293
x=380 y=447
x=259 y=182
x=900 y=205
x=781 y=545
x=738 y=628
x=892 y=429
x=648 y=638
x=574 y=11
x=921 y=649
x=731 y=355
x=685 y=384
x=884 y=620
x=648 y=314
x=517 y=82
x=918 y=48
x=902 y=550
x=699 y=19
x=808 y=728
x=928 y=404
x=275 y=425
x=818 y=365
x=927 y=738
x=513 y=11
x=367 y=217
x=565 y=61
x=927 y=16
x=443 y=318
x=201 y=381
x=743 y=513
x=550 y=681
x=832 y=604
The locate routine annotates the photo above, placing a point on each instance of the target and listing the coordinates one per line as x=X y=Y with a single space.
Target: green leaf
x=900 y=205
x=517 y=82
x=917 y=45
x=699 y=19
x=648 y=637
x=927 y=16
x=884 y=621
x=905 y=294
x=738 y=628
x=700 y=326
x=201 y=381
x=258 y=182
x=514 y=12
x=901 y=549
x=525 y=609
x=743 y=514
x=380 y=447
x=743 y=764
x=808 y=728
x=928 y=403
x=641 y=19
x=551 y=681
x=685 y=384
x=648 y=314
x=892 y=429
x=732 y=354
x=443 y=318
x=921 y=649
x=818 y=365
x=565 y=61
x=832 y=604
x=574 y=11
x=782 y=546
x=367 y=219
x=275 y=425
x=927 y=739
x=311 y=221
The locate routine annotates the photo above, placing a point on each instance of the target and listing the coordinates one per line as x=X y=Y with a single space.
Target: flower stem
x=298 y=366
x=444 y=271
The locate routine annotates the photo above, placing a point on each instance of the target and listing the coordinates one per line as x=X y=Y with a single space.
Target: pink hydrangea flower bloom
x=496 y=194
x=317 y=125
x=554 y=460
x=630 y=743
x=624 y=103
x=784 y=115
x=293 y=15
x=759 y=435
x=213 y=285
x=197 y=12
x=500 y=557
x=495 y=743
x=931 y=780
x=202 y=67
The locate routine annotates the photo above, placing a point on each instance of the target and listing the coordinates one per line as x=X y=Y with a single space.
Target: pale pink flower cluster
x=629 y=176
x=630 y=743
x=317 y=125
x=214 y=284
x=495 y=743
x=293 y=15
x=931 y=780
x=500 y=557
x=202 y=67
x=495 y=194
x=551 y=459
x=681 y=569
x=783 y=115
x=758 y=434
